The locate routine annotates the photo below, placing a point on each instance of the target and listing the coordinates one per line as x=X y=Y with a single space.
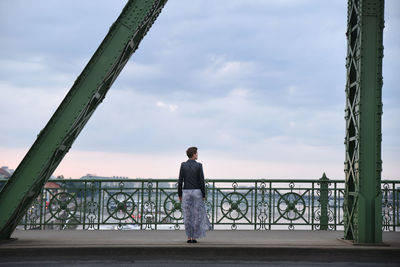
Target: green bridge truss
x=362 y=195
x=88 y=91
x=363 y=165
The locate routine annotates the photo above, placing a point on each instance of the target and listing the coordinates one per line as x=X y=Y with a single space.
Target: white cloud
x=22 y=66
x=25 y=110
x=292 y=89
x=222 y=71
x=161 y=104
x=257 y=85
x=171 y=107
x=135 y=71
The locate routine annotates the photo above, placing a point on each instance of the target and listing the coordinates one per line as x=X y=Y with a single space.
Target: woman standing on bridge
x=192 y=197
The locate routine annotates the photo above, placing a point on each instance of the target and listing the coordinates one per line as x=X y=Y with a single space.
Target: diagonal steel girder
x=87 y=92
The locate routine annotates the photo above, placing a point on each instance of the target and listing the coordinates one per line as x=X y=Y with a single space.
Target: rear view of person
x=192 y=193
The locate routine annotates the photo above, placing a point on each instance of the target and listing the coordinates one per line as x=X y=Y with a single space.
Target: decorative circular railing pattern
x=230 y=204
x=172 y=206
x=234 y=206
x=291 y=206
x=120 y=206
x=63 y=206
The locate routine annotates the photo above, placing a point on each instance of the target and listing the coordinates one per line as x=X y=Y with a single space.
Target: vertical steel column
x=363 y=198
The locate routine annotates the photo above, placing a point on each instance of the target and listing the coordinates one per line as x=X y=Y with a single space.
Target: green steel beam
x=363 y=165
x=88 y=91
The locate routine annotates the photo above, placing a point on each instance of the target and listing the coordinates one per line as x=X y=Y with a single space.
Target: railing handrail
x=258 y=203
x=207 y=180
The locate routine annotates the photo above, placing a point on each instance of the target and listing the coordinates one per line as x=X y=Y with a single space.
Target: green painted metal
x=88 y=91
x=311 y=204
x=363 y=165
x=324 y=202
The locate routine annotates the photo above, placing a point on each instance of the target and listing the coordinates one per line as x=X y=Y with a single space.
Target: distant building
x=110 y=182
x=105 y=181
x=52 y=185
x=5 y=172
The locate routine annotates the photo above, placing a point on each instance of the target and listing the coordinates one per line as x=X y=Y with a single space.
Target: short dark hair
x=191 y=151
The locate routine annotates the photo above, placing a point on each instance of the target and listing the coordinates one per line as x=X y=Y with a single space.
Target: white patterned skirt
x=194 y=213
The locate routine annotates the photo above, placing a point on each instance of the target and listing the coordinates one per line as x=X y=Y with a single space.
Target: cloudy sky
x=257 y=85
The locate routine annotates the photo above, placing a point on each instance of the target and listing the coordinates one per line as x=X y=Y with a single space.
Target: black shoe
x=189 y=241
x=194 y=241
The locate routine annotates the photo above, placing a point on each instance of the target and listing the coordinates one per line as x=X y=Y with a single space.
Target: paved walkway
x=217 y=238
x=265 y=246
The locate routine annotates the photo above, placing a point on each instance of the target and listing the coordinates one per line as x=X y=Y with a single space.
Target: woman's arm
x=180 y=182
x=202 y=182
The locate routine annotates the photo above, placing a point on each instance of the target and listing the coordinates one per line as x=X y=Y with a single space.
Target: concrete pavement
x=219 y=245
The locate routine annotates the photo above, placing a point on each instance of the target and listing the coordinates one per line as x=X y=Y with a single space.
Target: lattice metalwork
x=128 y=204
x=362 y=206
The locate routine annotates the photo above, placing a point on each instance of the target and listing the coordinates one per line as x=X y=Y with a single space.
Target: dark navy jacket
x=191 y=176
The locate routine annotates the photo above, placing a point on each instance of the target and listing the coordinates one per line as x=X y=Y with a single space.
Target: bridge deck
x=308 y=246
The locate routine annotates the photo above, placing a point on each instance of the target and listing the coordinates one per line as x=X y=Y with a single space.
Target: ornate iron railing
x=231 y=204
